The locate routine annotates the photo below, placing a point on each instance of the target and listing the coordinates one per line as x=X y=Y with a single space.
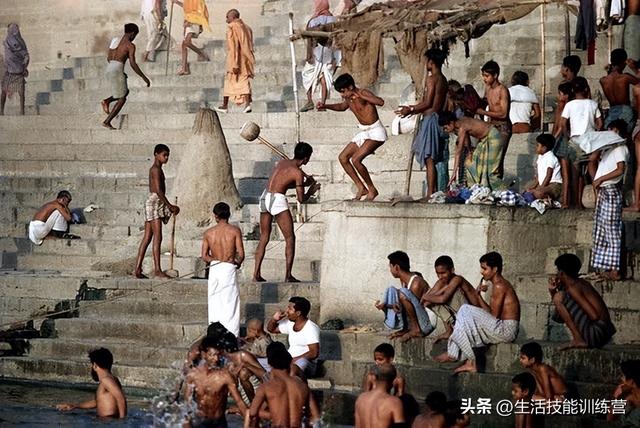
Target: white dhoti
x=273 y=203
x=38 y=230
x=375 y=132
x=223 y=296
x=156 y=34
x=117 y=79
x=476 y=327
x=313 y=73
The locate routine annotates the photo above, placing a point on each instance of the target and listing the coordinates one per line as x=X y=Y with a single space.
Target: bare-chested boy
x=434 y=416
x=635 y=136
x=273 y=203
x=487 y=324
x=429 y=144
x=110 y=400
x=615 y=86
x=550 y=384
x=448 y=294
x=120 y=50
x=383 y=354
x=52 y=220
x=223 y=252
x=377 y=408
x=210 y=384
x=629 y=390
x=287 y=397
x=157 y=210
x=362 y=104
x=498 y=103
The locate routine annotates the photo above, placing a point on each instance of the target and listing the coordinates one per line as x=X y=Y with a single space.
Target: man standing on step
x=240 y=63
x=273 y=203
x=196 y=17
x=223 y=251
x=153 y=13
x=378 y=408
x=120 y=50
x=52 y=219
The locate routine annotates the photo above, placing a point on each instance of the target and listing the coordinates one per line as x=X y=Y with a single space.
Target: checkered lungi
x=607 y=229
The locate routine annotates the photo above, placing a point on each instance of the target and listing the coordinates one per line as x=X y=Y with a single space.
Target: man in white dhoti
x=487 y=324
x=153 y=13
x=52 y=219
x=223 y=251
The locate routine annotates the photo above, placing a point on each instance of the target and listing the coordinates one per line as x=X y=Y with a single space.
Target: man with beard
x=110 y=400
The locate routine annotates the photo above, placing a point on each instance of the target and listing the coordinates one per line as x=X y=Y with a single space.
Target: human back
x=284 y=176
x=221 y=240
x=121 y=52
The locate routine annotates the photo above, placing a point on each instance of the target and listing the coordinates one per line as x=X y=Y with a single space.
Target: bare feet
x=468 y=366
x=574 y=344
x=371 y=195
x=379 y=305
x=138 y=274
x=258 y=278
x=291 y=278
x=161 y=274
x=204 y=58
x=444 y=358
x=410 y=335
x=105 y=106
x=184 y=71
x=108 y=126
x=361 y=192
x=613 y=275
x=397 y=334
x=632 y=208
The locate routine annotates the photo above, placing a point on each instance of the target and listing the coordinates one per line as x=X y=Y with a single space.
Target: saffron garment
x=196 y=12
x=223 y=297
x=240 y=57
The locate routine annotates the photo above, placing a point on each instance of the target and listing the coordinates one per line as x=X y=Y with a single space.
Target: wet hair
x=301 y=304
x=410 y=407
x=229 y=342
x=385 y=349
x=216 y=330
x=525 y=381
x=532 y=350
x=436 y=401
x=520 y=78
x=567 y=89
x=631 y=370
x=64 y=194
x=344 y=81
x=491 y=67
x=453 y=412
x=445 y=261
x=493 y=260
x=222 y=210
x=573 y=63
x=401 y=259
x=131 y=28
x=546 y=140
x=569 y=264
x=436 y=55
x=580 y=85
x=160 y=148
x=278 y=357
x=385 y=373
x=446 y=118
x=454 y=86
x=620 y=125
x=618 y=57
x=210 y=342
x=302 y=150
x=102 y=357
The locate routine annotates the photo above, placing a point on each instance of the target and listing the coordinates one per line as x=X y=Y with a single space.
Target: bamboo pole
x=543 y=61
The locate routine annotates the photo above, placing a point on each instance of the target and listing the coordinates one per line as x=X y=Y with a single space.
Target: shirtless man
x=429 y=147
x=579 y=306
x=52 y=220
x=119 y=51
x=487 y=324
x=209 y=384
x=448 y=294
x=377 y=408
x=223 y=252
x=273 y=203
x=110 y=400
x=498 y=101
x=615 y=86
x=362 y=104
x=287 y=397
x=635 y=137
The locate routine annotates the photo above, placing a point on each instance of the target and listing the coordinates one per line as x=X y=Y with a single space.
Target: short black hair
x=401 y=259
x=525 y=381
x=532 y=350
x=301 y=304
x=102 y=357
x=278 y=357
x=573 y=63
x=520 y=78
x=344 y=81
x=385 y=349
x=620 y=125
x=445 y=261
x=436 y=401
x=385 y=372
x=546 y=140
x=491 y=67
x=492 y=259
x=569 y=264
x=436 y=55
x=618 y=57
x=567 y=89
x=210 y=342
x=580 y=85
x=222 y=210
x=161 y=148
x=131 y=28
x=64 y=194
x=216 y=330
x=410 y=407
x=446 y=118
x=631 y=370
x=229 y=342
x=302 y=150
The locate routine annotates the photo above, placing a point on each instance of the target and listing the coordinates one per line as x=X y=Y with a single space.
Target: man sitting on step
x=52 y=220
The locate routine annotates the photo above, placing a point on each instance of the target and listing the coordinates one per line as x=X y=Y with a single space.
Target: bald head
x=233 y=14
x=385 y=373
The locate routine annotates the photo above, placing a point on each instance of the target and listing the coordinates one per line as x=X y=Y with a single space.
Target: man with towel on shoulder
x=52 y=219
x=16 y=59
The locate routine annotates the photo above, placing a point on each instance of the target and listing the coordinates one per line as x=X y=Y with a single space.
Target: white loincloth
x=156 y=35
x=223 y=296
x=38 y=229
x=117 y=79
x=273 y=203
x=313 y=73
x=375 y=132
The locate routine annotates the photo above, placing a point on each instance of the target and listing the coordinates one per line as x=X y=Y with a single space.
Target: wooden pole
x=543 y=61
x=166 y=65
x=407 y=184
x=567 y=32
x=294 y=77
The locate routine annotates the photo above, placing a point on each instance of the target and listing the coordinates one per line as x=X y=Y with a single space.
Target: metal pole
x=294 y=77
x=166 y=66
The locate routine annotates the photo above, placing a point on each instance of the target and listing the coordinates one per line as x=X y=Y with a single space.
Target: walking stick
x=171 y=272
x=295 y=79
x=166 y=66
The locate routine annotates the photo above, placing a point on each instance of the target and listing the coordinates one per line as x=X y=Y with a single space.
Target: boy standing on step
x=157 y=210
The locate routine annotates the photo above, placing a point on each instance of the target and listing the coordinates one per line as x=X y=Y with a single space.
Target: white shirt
x=609 y=162
x=546 y=161
x=522 y=100
x=147 y=7
x=582 y=115
x=299 y=341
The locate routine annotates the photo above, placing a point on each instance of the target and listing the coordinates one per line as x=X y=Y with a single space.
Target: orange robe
x=196 y=12
x=240 y=56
